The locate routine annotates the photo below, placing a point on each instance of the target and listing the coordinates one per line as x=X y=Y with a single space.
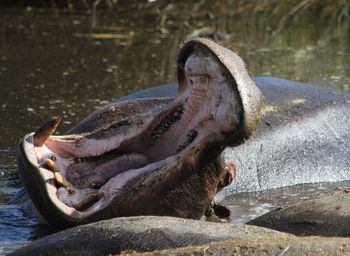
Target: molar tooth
x=61 y=180
x=53 y=166
x=45 y=131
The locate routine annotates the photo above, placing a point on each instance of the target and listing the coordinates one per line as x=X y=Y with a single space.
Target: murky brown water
x=52 y=63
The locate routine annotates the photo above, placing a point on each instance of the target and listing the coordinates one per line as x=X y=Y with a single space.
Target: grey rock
x=140 y=234
x=310 y=246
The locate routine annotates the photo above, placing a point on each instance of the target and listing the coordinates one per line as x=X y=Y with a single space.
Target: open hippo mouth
x=153 y=156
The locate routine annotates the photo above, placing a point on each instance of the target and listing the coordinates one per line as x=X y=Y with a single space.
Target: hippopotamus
x=146 y=156
x=303 y=137
x=302 y=128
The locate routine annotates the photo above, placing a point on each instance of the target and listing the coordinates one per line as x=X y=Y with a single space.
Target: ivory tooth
x=41 y=135
x=53 y=166
x=61 y=180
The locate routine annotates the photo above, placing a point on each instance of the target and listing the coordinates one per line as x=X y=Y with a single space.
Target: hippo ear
x=185 y=51
x=181 y=81
x=250 y=95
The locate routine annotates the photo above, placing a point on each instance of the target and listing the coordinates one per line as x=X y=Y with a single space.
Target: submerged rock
x=323 y=216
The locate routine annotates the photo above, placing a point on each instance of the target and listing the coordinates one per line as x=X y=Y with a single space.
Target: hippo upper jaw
x=159 y=161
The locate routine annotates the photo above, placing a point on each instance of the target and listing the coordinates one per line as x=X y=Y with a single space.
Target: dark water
x=52 y=63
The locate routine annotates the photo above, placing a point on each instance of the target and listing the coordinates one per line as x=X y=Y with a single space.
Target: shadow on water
x=53 y=63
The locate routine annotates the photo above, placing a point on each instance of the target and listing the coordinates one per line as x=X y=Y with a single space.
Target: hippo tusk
x=45 y=131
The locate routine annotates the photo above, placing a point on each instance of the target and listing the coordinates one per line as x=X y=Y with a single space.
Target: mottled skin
x=218 y=105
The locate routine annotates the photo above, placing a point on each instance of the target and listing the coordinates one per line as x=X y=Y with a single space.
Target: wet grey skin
x=154 y=156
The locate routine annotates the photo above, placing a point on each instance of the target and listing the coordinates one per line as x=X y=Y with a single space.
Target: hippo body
x=304 y=137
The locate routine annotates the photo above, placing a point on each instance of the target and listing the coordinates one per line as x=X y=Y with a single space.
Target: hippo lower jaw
x=159 y=161
x=125 y=191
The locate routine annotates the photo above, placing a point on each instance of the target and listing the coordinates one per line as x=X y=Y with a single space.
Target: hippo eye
x=203 y=78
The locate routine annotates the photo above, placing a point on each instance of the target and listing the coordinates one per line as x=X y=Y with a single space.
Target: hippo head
x=154 y=156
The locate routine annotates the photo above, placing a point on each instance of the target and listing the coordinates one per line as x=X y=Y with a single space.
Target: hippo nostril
x=95 y=185
x=191 y=81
